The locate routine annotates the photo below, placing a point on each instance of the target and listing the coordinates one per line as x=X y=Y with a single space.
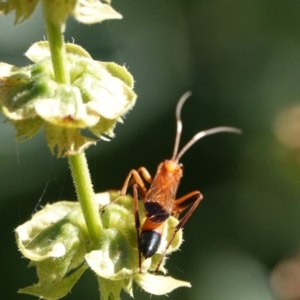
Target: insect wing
x=163 y=192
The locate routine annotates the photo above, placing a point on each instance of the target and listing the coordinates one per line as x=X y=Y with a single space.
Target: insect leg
x=133 y=177
x=184 y=202
x=144 y=173
x=135 y=188
x=193 y=198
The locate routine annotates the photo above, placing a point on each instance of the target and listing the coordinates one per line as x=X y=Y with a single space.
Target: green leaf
x=23 y=9
x=55 y=290
x=109 y=290
x=27 y=128
x=159 y=285
x=55 y=240
x=40 y=50
x=119 y=72
x=93 y=11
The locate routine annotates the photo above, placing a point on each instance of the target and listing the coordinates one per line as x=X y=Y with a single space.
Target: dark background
x=241 y=59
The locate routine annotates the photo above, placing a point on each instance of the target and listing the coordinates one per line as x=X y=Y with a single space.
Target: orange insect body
x=163 y=190
x=160 y=199
x=159 y=205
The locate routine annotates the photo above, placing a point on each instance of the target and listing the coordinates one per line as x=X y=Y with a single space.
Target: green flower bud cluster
x=84 y=11
x=57 y=243
x=98 y=95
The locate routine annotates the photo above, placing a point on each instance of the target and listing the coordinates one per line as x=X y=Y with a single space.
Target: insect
x=160 y=199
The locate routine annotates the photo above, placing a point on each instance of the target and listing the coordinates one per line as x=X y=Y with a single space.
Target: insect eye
x=181 y=166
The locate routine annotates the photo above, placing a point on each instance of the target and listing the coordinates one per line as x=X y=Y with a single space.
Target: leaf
x=118 y=71
x=157 y=284
x=40 y=50
x=94 y=11
x=23 y=9
x=54 y=290
x=27 y=128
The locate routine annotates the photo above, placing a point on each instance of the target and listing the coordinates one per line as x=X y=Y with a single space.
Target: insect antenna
x=178 y=121
x=176 y=156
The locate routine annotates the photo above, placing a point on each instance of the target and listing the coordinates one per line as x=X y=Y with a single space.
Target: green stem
x=86 y=196
x=56 y=42
x=78 y=164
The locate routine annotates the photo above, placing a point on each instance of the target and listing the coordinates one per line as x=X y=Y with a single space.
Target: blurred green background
x=241 y=59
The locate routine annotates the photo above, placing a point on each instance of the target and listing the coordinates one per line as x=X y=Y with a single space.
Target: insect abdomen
x=149 y=242
x=155 y=212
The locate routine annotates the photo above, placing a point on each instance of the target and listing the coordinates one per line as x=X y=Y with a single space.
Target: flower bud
x=84 y=11
x=57 y=243
x=99 y=94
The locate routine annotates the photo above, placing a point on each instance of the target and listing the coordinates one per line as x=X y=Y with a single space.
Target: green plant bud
x=84 y=11
x=66 y=141
x=99 y=94
x=116 y=262
x=57 y=243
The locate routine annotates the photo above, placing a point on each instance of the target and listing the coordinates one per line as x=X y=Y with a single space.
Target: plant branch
x=56 y=43
x=86 y=196
x=78 y=163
